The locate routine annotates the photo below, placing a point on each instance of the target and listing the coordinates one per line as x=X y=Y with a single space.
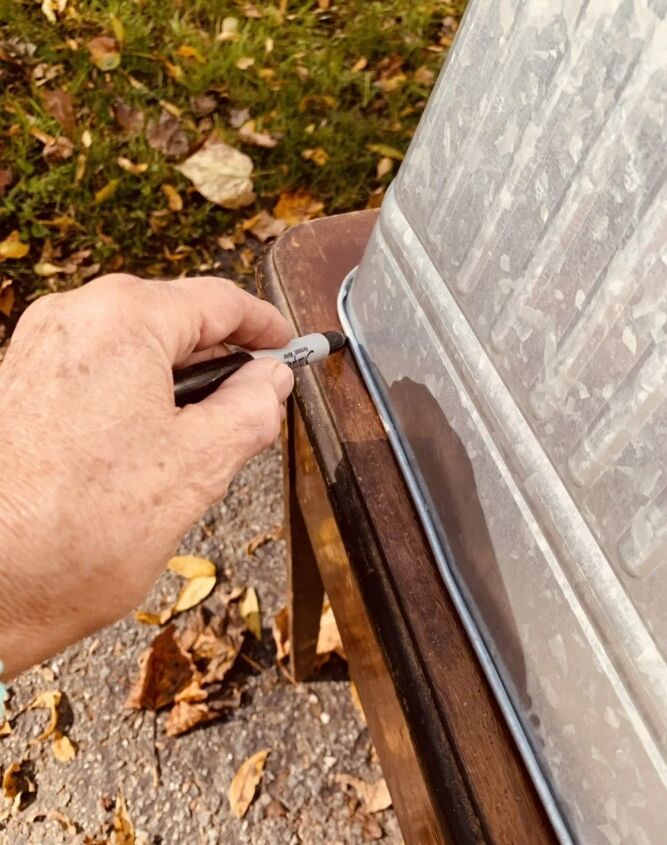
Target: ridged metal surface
x=518 y=275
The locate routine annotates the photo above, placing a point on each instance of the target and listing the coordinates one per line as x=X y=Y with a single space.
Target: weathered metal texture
x=519 y=272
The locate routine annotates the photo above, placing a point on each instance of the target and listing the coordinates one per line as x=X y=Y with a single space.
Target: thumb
x=217 y=436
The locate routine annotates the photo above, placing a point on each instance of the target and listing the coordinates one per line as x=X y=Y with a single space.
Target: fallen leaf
x=220 y=173
x=174 y=200
x=167 y=135
x=131 y=167
x=5 y=728
x=249 y=135
x=245 y=782
x=229 y=31
x=385 y=166
x=263 y=226
x=185 y=51
x=63 y=748
x=192 y=693
x=49 y=700
x=185 y=715
x=66 y=823
x=147 y=618
x=128 y=118
x=194 y=592
x=203 y=104
x=107 y=191
x=164 y=670
x=13 y=247
x=118 y=28
x=226 y=242
x=122 y=826
x=371 y=829
x=16 y=784
x=104 y=52
x=281 y=634
x=318 y=155
x=297 y=207
x=317 y=102
x=60 y=105
x=237 y=117
x=245 y=62
x=174 y=71
x=329 y=641
x=52 y=7
x=218 y=651
x=190 y=566
x=374 y=797
x=360 y=64
x=386 y=150
x=45 y=269
x=250 y=613
x=424 y=75
x=6 y=179
x=87 y=138
x=7 y=297
x=60 y=149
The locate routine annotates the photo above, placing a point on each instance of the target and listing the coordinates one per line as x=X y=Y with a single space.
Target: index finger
x=203 y=311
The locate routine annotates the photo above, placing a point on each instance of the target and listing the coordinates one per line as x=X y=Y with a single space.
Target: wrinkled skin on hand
x=100 y=473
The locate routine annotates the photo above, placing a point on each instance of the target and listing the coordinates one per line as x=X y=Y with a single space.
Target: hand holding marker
x=191 y=384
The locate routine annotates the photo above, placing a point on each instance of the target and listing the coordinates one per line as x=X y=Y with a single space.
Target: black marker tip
x=336 y=340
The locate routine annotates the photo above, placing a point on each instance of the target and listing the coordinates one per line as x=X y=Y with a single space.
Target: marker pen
x=191 y=384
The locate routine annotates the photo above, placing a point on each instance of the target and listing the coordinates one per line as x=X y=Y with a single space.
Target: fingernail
x=283 y=380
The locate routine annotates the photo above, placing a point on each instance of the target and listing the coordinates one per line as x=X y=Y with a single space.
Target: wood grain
x=472 y=770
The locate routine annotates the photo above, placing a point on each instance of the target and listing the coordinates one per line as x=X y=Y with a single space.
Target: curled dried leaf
x=245 y=782
x=123 y=827
x=297 y=207
x=374 y=797
x=49 y=700
x=104 y=52
x=164 y=670
x=63 y=748
x=191 y=566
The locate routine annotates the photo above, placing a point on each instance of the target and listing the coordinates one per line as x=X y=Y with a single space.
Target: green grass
x=305 y=90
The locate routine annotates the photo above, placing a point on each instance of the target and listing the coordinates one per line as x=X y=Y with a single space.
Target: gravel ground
x=176 y=789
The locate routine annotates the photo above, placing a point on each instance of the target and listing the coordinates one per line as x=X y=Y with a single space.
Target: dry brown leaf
x=164 y=670
x=147 y=618
x=371 y=829
x=374 y=797
x=60 y=149
x=167 y=135
x=250 y=613
x=220 y=173
x=49 y=700
x=122 y=826
x=264 y=226
x=192 y=693
x=16 y=784
x=318 y=155
x=190 y=566
x=424 y=75
x=297 y=207
x=360 y=64
x=281 y=634
x=186 y=715
x=245 y=782
x=194 y=592
x=60 y=105
x=174 y=200
x=69 y=826
x=237 y=117
x=104 y=52
x=5 y=728
x=7 y=297
x=218 y=651
x=203 y=104
x=329 y=640
x=63 y=748
x=130 y=119
x=249 y=135
x=6 y=179
x=13 y=247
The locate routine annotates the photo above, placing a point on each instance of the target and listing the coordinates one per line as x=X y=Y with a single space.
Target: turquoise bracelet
x=3 y=694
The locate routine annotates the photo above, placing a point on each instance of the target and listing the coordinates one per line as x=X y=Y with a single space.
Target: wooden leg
x=305 y=589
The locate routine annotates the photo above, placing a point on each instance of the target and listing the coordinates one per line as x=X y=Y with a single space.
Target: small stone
x=325 y=718
x=275 y=810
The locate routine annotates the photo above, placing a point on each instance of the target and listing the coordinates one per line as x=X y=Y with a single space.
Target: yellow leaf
x=174 y=71
x=13 y=247
x=329 y=640
x=297 y=207
x=385 y=150
x=104 y=52
x=385 y=165
x=45 y=269
x=174 y=200
x=63 y=748
x=245 y=782
x=147 y=618
x=194 y=592
x=190 y=566
x=52 y=7
x=49 y=701
x=220 y=173
x=250 y=613
x=5 y=728
x=7 y=297
x=317 y=155
x=87 y=138
x=107 y=191
x=187 y=52
x=118 y=28
x=360 y=64
x=122 y=826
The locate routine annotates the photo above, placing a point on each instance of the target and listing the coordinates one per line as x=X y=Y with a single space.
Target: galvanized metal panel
x=512 y=304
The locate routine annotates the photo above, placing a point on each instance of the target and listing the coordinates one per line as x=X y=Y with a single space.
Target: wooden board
x=472 y=768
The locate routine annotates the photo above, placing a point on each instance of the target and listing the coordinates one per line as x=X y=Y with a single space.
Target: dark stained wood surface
x=469 y=761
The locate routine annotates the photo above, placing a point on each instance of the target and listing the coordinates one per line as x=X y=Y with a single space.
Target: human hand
x=100 y=473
